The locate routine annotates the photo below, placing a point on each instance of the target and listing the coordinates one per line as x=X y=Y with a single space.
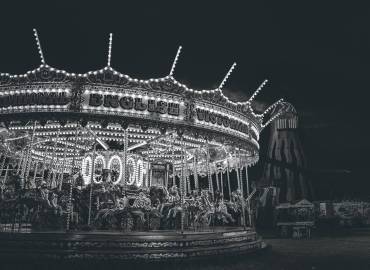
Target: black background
x=315 y=54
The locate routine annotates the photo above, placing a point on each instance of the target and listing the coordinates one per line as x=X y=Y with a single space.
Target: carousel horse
x=141 y=205
x=107 y=193
x=221 y=212
x=46 y=212
x=234 y=206
x=9 y=200
x=193 y=207
x=206 y=210
x=174 y=201
x=116 y=215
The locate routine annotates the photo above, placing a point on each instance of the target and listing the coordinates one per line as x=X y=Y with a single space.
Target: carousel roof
x=105 y=97
x=108 y=75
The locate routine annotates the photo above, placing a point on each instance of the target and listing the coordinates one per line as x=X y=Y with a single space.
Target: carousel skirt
x=138 y=246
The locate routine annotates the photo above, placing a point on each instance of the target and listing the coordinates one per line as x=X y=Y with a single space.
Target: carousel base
x=138 y=246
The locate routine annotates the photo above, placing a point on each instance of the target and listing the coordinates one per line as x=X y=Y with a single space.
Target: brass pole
x=91 y=184
x=20 y=162
x=166 y=178
x=3 y=164
x=228 y=179
x=182 y=183
x=249 y=205
x=43 y=166
x=35 y=172
x=241 y=189
x=71 y=182
x=63 y=167
x=29 y=157
x=196 y=180
x=173 y=162
x=210 y=184
x=222 y=183
x=217 y=180
x=124 y=165
x=52 y=162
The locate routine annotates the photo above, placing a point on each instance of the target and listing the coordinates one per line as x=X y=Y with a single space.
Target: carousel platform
x=132 y=246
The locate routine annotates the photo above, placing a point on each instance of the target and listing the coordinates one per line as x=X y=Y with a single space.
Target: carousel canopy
x=157 y=118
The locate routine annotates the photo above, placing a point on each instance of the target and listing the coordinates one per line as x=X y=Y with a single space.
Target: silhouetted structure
x=286 y=164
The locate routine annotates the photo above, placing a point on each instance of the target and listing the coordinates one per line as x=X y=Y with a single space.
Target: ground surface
x=349 y=250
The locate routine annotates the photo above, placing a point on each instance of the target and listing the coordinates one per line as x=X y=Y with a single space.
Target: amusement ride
x=104 y=165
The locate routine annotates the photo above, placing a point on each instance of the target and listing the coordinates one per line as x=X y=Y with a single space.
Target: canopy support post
x=240 y=178
x=210 y=184
x=124 y=165
x=71 y=179
x=228 y=179
x=182 y=184
x=29 y=157
x=249 y=204
x=91 y=184
x=196 y=180
x=52 y=162
x=63 y=167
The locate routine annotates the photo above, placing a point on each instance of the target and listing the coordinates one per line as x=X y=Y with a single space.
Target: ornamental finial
x=257 y=91
x=110 y=49
x=39 y=46
x=227 y=76
x=175 y=60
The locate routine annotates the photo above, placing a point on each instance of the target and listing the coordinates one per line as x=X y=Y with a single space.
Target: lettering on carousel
x=215 y=118
x=51 y=98
x=129 y=103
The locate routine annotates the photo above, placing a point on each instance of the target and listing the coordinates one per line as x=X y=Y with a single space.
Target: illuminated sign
x=221 y=120
x=27 y=99
x=138 y=104
x=135 y=169
x=143 y=103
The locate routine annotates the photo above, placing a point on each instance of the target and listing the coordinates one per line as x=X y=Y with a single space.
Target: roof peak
x=175 y=61
x=39 y=46
x=110 y=49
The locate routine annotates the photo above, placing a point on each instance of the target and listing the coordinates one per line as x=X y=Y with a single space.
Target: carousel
x=101 y=165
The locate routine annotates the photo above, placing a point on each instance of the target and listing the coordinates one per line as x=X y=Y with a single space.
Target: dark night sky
x=315 y=54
